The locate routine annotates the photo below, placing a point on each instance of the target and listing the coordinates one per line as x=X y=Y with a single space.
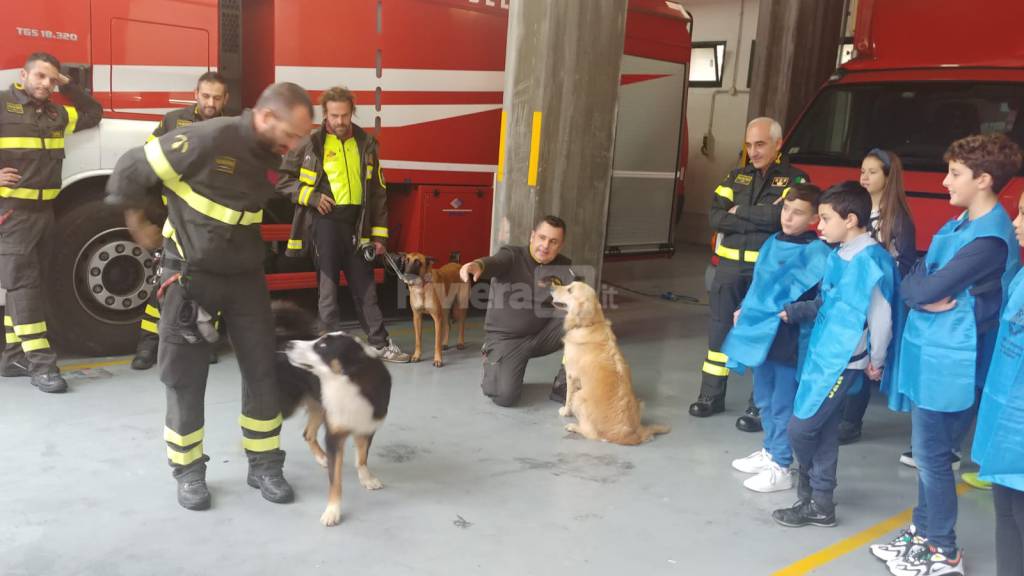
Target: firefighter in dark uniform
x=32 y=132
x=214 y=175
x=745 y=210
x=336 y=182
x=211 y=97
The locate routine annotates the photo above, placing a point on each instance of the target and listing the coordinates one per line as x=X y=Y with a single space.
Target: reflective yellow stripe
x=261 y=444
x=162 y=167
x=307 y=176
x=304 y=193
x=30 y=193
x=714 y=369
x=152 y=311
x=717 y=357
x=294 y=244
x=31 y=143
x=259 y=425
x=364 y=240
x=37 y=344
x=734 y=254
x=725 y=192
x=183 y=441
x=170 y=233
x=785 y=192
x=369 y=173
x=149 y=326
x=8 y=321
x=72 y=119
x=150 y=137
x=184 y=458
x=379 y=231
x=30 y=329
x=12 y=338
x=501 y=147
x=531 y=175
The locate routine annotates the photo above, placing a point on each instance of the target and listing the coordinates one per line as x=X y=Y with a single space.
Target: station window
x=707 y=61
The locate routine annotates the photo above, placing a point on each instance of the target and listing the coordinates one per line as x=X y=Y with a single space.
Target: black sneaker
x=16 y=369
x=805 y=513
x=52 y=383
x=193 y=494
x=848 y=433
x=272 y=485
x=707 y=406
x=145 y=358
x=750 y=421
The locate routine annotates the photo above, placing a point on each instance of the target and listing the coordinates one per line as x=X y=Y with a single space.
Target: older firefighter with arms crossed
x=211 y=97
x=32 y=132
x=745 y=210
x=214 y=175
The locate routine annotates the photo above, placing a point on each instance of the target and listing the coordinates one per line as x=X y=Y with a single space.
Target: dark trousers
x=1009 y=530
x=149 y=333
x=815 y=442
x=22 y=250
x=243 y=300
x=727 y=291
x=335 y=245
x=505 y=360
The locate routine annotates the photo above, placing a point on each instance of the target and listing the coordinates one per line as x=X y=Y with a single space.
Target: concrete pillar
x=558 y=122
x=796 y=51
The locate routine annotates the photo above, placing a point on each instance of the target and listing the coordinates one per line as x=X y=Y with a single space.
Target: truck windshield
x=916 y=120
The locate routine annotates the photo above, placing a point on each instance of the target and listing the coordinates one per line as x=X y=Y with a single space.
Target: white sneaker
x=773 y=479
x=755 y=463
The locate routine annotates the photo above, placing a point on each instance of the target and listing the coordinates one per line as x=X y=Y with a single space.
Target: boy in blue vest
x=850 y=339
x=999 y=438
x=789 y=267
x=955 y=295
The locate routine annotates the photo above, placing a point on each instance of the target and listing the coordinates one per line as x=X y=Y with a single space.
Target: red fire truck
x=925 y=73
x=428 y=75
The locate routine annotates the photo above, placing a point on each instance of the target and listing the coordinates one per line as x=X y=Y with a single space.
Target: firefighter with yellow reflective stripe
x=745 y=210
x=336 y=182
x=32 y=132
x=214 y=175
x=211 y=97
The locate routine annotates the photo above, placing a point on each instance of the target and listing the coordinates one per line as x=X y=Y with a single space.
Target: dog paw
x=370 y=482
x=438 y=363
x=445 y=347
x=331 y=515
x=564 y=411
x=572 y=428
x=414 y=358
x=460 y=346
x=321 y=459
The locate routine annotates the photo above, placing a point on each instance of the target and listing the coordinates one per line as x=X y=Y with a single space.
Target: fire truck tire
x=96 y=282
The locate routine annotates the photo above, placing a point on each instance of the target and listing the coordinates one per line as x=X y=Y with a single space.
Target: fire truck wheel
x=98 y=282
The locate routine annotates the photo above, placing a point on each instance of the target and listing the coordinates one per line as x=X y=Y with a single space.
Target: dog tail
x=647 y=433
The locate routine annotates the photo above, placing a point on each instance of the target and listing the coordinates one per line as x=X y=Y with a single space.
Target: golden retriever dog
x=440 y=293
x=599 y=386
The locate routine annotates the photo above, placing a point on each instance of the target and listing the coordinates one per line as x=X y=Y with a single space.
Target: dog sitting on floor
x=599 y=388
x=440 y=293
x=344 y=386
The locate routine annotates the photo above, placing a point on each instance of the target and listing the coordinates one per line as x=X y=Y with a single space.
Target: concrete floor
x=470 y=488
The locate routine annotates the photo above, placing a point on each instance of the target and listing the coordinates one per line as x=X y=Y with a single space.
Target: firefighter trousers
x=23 y=234
x=243 y=300
x=728 y=288
x=149 y=333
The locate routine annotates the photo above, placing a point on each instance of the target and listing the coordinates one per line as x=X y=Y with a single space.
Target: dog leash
x=407 y=279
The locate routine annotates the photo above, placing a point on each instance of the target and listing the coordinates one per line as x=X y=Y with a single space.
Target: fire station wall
x=716 y=20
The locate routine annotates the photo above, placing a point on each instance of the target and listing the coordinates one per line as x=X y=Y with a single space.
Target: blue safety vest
x=784 y=272
x=999 y=437
x=938 y=353
x=846 y=293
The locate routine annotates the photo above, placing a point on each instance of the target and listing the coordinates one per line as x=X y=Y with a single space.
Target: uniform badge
x=180 y=143
x=225 y=164
x=182 y=122
x=15 y=108
x=780 y=181
x=744 y=179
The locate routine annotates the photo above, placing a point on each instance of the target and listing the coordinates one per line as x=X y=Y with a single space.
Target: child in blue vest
x=999 y=438
x=789 y=267
x=955 y=295
x=852 y=331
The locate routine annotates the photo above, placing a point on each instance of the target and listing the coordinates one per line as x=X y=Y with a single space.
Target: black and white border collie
x=344 y=386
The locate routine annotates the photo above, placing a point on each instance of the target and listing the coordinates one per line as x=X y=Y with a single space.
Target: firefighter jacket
x=214 y=175
x=175 y=119
x=303 y=181
x=759 y=210
x=32 y=141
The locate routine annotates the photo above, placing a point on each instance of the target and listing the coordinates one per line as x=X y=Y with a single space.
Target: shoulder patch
x=15 y=108
x=180 y=143
x=744 y=179
x=780 y=181
x=225 y=164
x=182 y=122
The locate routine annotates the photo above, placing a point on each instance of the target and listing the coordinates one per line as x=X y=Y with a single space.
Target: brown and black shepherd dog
x=345 y=387
x=440 y=293
x=599 y=389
